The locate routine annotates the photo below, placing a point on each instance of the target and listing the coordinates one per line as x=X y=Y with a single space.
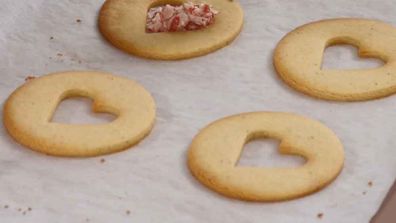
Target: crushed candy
x=185 y=17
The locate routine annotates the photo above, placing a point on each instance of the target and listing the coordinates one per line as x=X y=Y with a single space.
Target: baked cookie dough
x=215 y=151
x=123 y=23
x=298 y=59
x=29 y=110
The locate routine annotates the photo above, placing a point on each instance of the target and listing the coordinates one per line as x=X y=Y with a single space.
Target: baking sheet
x=387 y=210
x=150 y=182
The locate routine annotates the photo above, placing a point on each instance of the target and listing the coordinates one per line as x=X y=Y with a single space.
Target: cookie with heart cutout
x=124 y=24
x=28 y=112
x=215 y=151
x=298 y=59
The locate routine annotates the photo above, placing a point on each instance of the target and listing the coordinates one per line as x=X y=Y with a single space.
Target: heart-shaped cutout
x=180 y=18
x=78 y=110
x=265 y=153
x=346 y=57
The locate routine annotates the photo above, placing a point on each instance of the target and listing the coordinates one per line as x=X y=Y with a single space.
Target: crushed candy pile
x=186 y=17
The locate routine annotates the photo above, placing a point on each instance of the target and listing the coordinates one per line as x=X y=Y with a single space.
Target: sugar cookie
x=28 y=112
x=215 y=151
x=298 y=59
x=123 y=23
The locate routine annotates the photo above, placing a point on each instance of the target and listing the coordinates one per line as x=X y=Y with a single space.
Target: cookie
x=28 y=112
x=298 y=59
x=215 y=151
x=123 y=23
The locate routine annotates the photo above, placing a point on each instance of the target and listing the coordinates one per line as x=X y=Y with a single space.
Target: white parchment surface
x=151 y=182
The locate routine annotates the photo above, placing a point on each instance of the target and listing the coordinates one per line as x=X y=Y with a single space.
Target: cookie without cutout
x=29 y=110
x=215 y=151
x=123 y=23
x=298 y=59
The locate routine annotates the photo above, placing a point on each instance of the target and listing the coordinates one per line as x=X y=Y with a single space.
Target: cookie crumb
x=79 y=61
x=320 y=215
x=24 y=213
x=370 y=183
x=78 y=20
x=29 y=209
x=19 y=209
x=6 y=206
x=51 y=38
x=59 y=54
x=102 y=160
x=128 y=212
x=87 y=220
x=29 y=78
x=364 y=193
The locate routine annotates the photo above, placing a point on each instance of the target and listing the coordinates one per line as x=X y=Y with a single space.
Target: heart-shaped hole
x=178 y=16
x=264 y=153
x=346 y=57
x=78 y=110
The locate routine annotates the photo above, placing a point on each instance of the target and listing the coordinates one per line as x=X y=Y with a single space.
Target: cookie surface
x=29 y=110
x=298 y=59
x=215 y=151
x=123 y=23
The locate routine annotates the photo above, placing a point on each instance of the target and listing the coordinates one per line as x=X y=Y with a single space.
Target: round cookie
x=29 y=110
x=215 y=151
x=298 y=59
x=123 y=23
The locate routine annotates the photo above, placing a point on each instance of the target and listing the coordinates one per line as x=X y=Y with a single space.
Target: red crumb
x=174 y=24
x=29 y=78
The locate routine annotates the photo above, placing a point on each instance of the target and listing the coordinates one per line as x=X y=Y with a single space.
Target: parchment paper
x=151 y=182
